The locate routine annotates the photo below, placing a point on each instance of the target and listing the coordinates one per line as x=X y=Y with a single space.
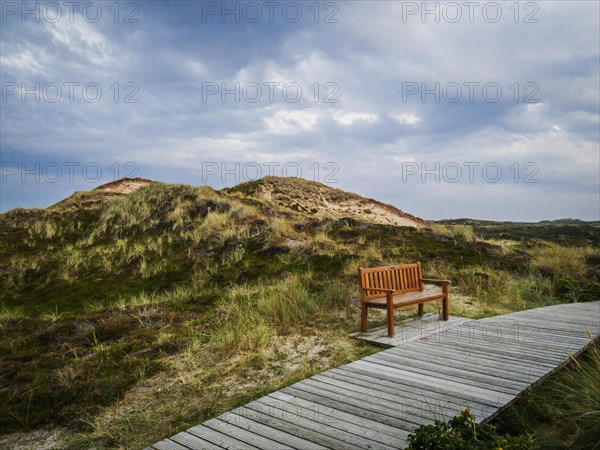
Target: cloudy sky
x=444 y=109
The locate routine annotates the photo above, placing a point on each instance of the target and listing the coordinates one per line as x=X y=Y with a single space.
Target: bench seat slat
x=407 y=298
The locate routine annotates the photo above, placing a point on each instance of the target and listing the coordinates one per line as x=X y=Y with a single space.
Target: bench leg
x=445 y=311
x=420 y=309
x=390 y=320
x=363 y=318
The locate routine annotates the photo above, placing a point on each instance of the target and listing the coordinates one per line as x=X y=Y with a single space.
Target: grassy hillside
x=568 y=232
x=127 y=315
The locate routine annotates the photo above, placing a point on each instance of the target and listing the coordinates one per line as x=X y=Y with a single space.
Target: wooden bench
x=393 y=287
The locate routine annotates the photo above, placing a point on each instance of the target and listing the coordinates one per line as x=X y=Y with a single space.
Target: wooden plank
x=189 y=441
x=552 y=318
x=410 y=406
x=490 y=382
x=402 y=427
x=388 y=279
x=539 y=323
x=553 y=338
x=462 y=358
x=372 y=421
x=457 y=355
x=168 y=444
x=445 y=373
x=556 y=328
x=541 y=348
x=573 y=313
x=284 y=410
x=348 y=430
x=407 y=389
x=510 y=329
x=536 y=352
x=532 y=332
x=506 y=332
x=568 y=309
x=368 y=429
x=414 y=327
x=510 y=353
x=397 y=410
x=220 y=439
x=518 y=361
x=492 y=349
x=244 y=435
x=454 y=360
x=421 y=383
x=273 y=434
x=432 y=379
x=549 y=321
x=276 y=420
x=515 y=316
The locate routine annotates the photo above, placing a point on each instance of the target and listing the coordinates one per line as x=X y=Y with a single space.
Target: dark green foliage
x=463 y=433
x=573 y=232
x=577 y=290
x=55 y=370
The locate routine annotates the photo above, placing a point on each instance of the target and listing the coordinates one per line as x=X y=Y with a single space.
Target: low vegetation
x=126 y=318
x=464 y=433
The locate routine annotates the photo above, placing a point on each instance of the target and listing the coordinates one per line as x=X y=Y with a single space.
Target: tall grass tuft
x=579 y=394
x=241 y=331
x=281 y=228
x=183 y=293
x=563 y=262
x=249 y=315
x=11 y=312
x=504 y=290
x=459 y=233
x=288 y=302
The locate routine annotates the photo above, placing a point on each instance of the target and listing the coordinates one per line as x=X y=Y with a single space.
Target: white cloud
x=368 y=55
x=291 y=121
x=84 y=40
x=28 y=61
x=349 y=118
x=406 y=118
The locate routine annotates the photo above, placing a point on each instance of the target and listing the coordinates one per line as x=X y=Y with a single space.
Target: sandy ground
x=41 y=439
x=355 y=206
x=124 y=185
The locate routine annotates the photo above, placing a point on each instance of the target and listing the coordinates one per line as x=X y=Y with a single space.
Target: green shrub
x=563 y=262
x=501 y=288
x=578 y=291
x=462 y=432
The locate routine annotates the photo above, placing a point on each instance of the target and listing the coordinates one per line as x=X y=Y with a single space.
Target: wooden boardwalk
x=409 y=330
x=374 y=403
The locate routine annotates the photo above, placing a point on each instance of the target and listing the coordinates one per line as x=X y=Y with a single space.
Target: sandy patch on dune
x=41 y=439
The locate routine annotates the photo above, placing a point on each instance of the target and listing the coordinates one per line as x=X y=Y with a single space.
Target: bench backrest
x=401 y=278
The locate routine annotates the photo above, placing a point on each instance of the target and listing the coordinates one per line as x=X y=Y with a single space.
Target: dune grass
x=129 y=320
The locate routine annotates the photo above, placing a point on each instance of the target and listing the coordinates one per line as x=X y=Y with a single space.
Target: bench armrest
x=434 y=281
